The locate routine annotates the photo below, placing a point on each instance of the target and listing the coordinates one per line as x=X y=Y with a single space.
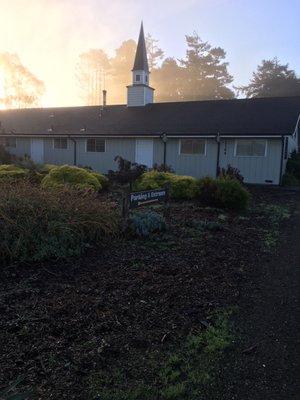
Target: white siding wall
x=139 y=95
x=254 y=169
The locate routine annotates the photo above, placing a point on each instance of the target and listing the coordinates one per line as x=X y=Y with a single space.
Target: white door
x=37 y=150
x=144 y=152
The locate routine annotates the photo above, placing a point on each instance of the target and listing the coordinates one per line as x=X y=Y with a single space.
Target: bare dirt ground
x=122 y=308
x=265 y=362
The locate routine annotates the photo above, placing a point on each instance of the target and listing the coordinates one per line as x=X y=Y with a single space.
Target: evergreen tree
x=206 y=72
x=91 y=70
x=168 y=81
x=272 y=79
x=155 y=54
x=19 y=86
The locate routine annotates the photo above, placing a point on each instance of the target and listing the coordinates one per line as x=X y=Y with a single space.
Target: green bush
x=104 y=182
x=292 y=174
x=74 y=177
x=207 y=188
x=231 y=194
x=181 y=187
x=39 y=224
x=223 y=193
x=11 y=172
x=290 y=179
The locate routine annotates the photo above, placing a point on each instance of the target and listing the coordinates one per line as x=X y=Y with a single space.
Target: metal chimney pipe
x=104 y=92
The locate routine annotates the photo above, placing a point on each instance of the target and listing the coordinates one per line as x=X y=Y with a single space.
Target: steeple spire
x=141 y=60
x=140 y=93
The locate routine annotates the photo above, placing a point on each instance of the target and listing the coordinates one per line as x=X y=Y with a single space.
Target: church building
x=193 y=137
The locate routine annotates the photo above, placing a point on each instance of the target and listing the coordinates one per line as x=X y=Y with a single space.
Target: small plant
x=127 y=172
x=143 y=224
x=231 y=173
x=73 y=177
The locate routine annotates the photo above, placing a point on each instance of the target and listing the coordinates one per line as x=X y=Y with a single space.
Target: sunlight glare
x=2 y=107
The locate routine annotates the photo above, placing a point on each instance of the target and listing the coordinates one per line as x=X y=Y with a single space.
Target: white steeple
x=140 y=93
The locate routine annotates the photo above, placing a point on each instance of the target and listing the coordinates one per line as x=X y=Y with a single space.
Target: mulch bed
x=133 y=299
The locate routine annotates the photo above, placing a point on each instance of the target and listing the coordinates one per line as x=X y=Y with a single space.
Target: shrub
x=162 y=168
x=11 y=173
x=207 y=188
x=293 y=164
x=104 y=182
x=231 y=194
x=146 y=223
x=290 y=179
x=181 y=187
x=5 y=156
x=231 y=173
x=127 y=172
x=224 y=193
x=38 y=224
x=74 y=177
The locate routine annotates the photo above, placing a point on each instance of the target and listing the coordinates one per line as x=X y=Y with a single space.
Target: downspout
x=281 y=161
x=218 y=154
x=75 y=150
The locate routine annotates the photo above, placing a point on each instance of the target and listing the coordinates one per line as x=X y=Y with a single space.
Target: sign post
x=133 y=200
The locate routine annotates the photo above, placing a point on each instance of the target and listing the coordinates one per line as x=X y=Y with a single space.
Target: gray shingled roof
x=265 y=116
x=141 y=60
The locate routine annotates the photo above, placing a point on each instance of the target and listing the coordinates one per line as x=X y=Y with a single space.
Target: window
x=10 y=142
x=138 y=78
x=95 y=145
x=250 y=148
x=146 y=78
x=60 y=143
x=192 y=146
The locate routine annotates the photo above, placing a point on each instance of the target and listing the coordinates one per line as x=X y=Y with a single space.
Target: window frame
x=95 y=151
x=6 y=140
x=60 y=148
x=236 y=144
x=138 y=77
x=193 y=154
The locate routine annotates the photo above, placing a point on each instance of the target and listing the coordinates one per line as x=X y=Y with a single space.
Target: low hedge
x=224 y=193
x=73 y=177
x=181 y=187
x=39 y=224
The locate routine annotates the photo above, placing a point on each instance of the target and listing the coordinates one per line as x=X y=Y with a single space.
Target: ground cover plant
x=123 y=320
x=38 y=224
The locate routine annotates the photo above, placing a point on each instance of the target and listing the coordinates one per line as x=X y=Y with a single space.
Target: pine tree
x=272 y=79
x=206 y=72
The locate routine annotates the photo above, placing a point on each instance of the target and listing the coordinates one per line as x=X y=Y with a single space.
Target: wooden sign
x=147 y=197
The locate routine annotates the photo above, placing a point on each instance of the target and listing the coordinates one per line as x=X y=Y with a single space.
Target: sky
x=49 y=35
